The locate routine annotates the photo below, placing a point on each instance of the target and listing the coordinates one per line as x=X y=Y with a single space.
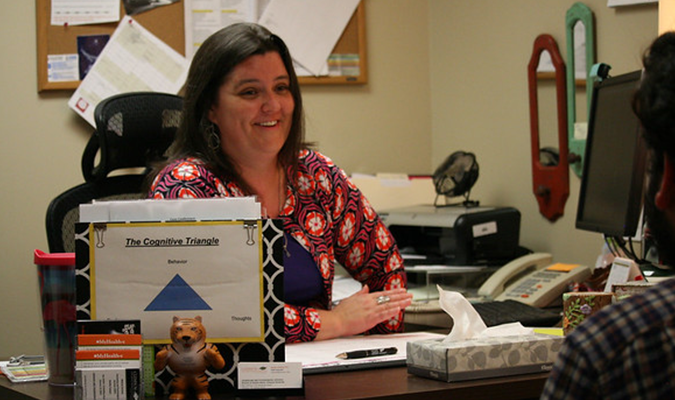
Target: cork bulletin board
x=168 y=24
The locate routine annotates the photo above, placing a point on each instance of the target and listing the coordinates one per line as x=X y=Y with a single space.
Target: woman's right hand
x=361 y=311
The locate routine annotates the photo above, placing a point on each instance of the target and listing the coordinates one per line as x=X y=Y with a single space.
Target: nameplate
x=269 y=375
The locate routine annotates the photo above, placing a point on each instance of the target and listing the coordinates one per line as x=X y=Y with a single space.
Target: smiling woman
x=242 y=134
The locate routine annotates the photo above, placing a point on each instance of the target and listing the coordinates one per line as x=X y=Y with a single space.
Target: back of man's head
x=654 y=102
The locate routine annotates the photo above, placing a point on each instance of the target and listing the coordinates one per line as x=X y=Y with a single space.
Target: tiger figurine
x=188 y=356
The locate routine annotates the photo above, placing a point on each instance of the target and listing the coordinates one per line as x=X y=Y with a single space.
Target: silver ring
x=382 y=300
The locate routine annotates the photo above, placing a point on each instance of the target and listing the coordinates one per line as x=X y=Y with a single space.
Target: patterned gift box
x=578 y=306
x=482 y=358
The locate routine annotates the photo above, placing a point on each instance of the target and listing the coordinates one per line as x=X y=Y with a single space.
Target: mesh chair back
x=64 y=211
x=132 y=130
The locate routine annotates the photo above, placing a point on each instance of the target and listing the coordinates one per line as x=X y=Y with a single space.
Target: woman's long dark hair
x=212 y=63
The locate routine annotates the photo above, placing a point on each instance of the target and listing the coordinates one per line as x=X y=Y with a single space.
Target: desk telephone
x=532 y=279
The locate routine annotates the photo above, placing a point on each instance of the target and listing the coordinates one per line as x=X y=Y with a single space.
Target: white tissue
x=467 y=323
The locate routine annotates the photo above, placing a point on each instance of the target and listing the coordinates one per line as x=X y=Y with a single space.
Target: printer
x=457 y=235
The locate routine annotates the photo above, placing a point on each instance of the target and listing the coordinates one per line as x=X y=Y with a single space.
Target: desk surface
x=388 y=383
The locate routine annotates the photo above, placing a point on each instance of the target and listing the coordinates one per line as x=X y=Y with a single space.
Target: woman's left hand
x=362 y=311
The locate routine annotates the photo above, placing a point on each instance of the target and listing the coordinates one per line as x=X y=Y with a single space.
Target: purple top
x=302 y=280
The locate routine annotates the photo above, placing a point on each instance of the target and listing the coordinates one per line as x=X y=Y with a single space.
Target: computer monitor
x=610 y=199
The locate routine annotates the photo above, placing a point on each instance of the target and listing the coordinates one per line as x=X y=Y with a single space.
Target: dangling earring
x=212 y=137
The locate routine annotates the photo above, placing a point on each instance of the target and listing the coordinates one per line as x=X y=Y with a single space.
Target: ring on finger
x=382 y=299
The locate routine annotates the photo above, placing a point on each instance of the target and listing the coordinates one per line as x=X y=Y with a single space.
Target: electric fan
x=455 y=177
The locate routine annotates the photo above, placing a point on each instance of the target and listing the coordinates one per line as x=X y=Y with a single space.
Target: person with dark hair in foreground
x=627 y=350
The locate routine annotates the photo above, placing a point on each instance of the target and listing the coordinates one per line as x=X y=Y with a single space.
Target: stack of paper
x=213 y=209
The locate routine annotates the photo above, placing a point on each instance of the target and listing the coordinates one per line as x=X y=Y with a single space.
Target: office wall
x=383 y=126
x=479 y=52
x=444 y=75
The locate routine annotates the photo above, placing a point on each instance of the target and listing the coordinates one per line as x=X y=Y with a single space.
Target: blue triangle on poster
x=177 y=296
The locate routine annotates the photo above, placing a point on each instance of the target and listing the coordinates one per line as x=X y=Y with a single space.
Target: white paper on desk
x=133 y=60
x=151 y=210
x=310 y=29
x=444 y=268
x=343 y=287
x=321 y=354
x=468 y=324
x=82 y=12
x=153 y=272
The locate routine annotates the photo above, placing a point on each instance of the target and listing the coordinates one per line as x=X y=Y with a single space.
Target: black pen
x=367 y=353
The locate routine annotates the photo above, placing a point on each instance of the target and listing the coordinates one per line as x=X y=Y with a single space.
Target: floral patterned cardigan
x=327 y=215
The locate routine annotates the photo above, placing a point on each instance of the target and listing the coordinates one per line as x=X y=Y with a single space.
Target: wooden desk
x=379 y=384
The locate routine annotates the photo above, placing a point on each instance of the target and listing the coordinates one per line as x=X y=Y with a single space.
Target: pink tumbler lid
x=42 y=258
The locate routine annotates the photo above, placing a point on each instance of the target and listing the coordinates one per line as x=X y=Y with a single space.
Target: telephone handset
x=532 y=279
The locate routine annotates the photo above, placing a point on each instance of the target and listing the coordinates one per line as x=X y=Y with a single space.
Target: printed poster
x=151 y=272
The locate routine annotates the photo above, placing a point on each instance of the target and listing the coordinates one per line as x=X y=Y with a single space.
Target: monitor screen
x=610 y=198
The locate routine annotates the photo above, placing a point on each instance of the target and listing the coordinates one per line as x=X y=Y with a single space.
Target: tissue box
x=482 y=358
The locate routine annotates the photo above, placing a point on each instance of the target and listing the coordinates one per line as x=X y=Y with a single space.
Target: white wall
x=385 y=125
x=480 y=50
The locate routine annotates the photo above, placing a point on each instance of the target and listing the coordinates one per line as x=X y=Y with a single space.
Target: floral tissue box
x=483 y=358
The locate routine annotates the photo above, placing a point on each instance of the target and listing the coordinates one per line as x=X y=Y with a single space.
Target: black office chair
x=133 y=130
